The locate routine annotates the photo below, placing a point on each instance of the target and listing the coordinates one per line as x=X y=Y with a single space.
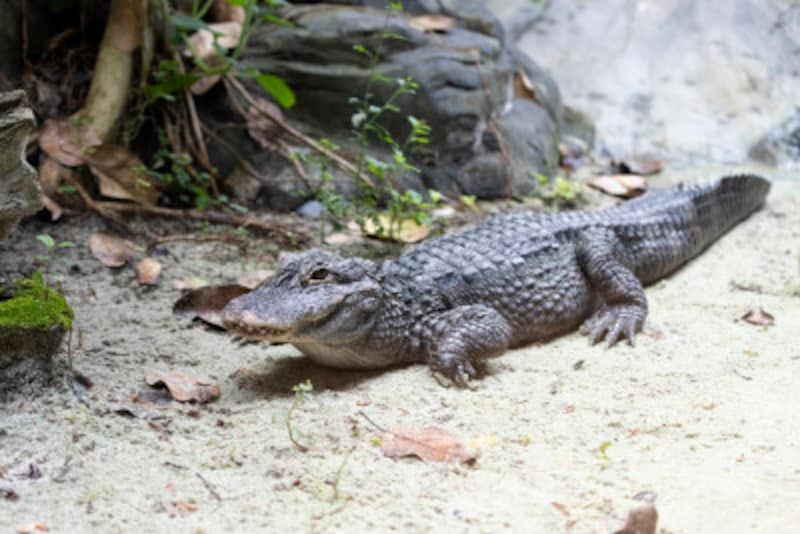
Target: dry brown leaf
x=252 y=279
x=431 y=23
x=186 y=506
x=51 y=175
x=222 y=10
x=408 y=232
x=53 y=207
x=121 y=174
x=431 y=444
x=148 y=271
x=111 y=250
x=523 y=88
x=206 y=303
x=204 y=84
x=189 y=282
x=641 y=520
x=640 y=167
x=201 y=43
x=182 y=387
x=620 y=185
x=65 y=143
x=758 y=316
x=261 y=129
x=32 y=527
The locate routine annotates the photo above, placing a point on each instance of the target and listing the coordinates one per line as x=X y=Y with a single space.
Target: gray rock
x=678 y=80
x=781 y=145
x=19 y=188
x=466 y=77
x=312 y=209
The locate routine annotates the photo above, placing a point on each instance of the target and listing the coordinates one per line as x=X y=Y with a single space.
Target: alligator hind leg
x=456 y=339
x=605 y=262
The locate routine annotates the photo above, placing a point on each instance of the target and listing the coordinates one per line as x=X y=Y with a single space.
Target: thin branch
x=232 y=83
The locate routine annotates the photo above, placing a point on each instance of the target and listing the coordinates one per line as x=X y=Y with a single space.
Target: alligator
x=521 y=277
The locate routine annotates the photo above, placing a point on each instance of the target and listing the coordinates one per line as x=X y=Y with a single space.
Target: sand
x=702 y=416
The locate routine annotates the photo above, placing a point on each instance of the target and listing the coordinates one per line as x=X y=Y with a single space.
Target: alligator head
x=314 y=297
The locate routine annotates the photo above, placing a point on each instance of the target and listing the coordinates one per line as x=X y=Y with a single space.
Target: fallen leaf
x=32 y=527
x=53 y=207
x=561 y=507
x=431 y=444
x=641 y=520
x=121 y=174
x=206 y=303
x=182 y=387
x=51 y=176
x=253 y=279
x=147 y=271
x=758 y=316
x=260 y=128
x=620 y=185
x=523 y=88
x=111 y=250
x=190 y=282
x=223 y=10
x=186 y=506
x=643 y=167
x=407 y=232
x=65 y=143
x=204 y=84
x=201 y=43
x=431 y=23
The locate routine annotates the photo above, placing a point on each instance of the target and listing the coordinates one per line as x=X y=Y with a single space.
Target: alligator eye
x=319 y=275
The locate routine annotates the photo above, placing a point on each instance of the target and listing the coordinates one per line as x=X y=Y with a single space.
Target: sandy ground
x=704 y=416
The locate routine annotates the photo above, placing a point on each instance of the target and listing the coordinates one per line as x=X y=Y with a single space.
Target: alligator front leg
x=456 y=339
x=605 y=262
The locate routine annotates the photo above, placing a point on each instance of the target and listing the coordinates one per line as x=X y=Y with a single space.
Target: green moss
x=34 y=306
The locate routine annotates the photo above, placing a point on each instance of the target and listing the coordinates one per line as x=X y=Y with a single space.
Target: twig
x=298 y=167
x=209 y=486
x=241 y=244
x=363 y=414
x=108 y=210
x=300 y=446
x=231 y=82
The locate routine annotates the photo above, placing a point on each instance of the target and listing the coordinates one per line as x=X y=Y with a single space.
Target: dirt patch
x=702 y=416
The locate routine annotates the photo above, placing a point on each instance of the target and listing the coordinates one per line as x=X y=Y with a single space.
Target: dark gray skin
x=470 y=295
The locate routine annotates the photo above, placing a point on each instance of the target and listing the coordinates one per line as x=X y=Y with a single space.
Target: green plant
x=50 y=247
x=560 y=191
x=380 y=206
x=302 y=392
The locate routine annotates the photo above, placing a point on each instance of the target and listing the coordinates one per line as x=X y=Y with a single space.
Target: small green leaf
x=65 y=244
x=277 y=88
x=46 y=240
x=187 y=22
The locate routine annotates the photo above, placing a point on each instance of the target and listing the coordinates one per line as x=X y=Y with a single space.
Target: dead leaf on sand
x=64 y=142
x=260 y=128
x=189 y=282
x=32 y=527
x=620 y=185
x=206 y=303
x=121 y=174
x=431 y=444
x=431 y=23
x=408 y=231
x=111 y=250
x=759 y=317
x=182 y=387
x=148 y=271
x=641 y=167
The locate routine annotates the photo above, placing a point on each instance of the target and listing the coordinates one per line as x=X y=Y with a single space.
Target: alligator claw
x=456 y=371
x=615 y=322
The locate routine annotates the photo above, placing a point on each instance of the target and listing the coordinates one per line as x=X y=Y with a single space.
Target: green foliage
x=380 y=205
x=51 y=246
x=560 y=191
x=34 y=306
x=169 y=77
